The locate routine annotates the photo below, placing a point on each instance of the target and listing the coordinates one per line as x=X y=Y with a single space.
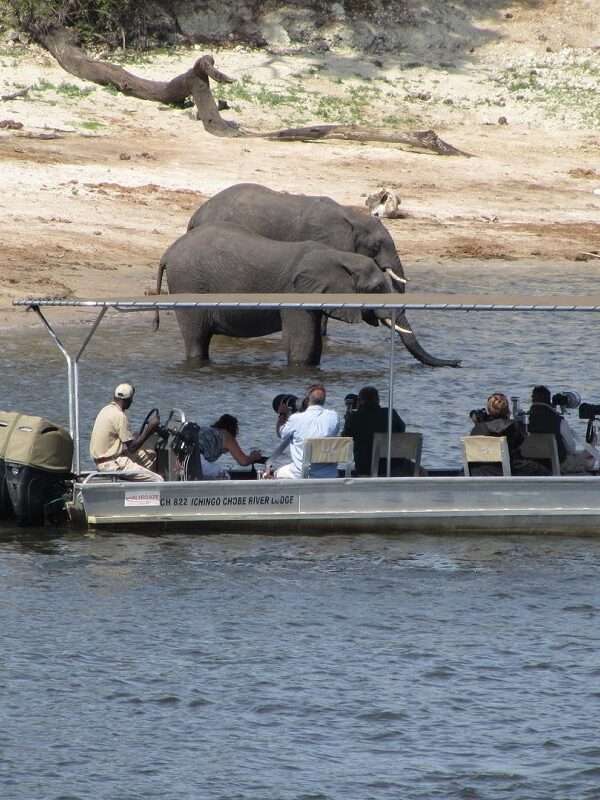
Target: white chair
x=404 y=445
x=542 y=447
x=328 y=450
x=486 y=450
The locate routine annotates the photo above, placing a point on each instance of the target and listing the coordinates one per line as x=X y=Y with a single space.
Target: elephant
x=287 y=217
x=218 y=258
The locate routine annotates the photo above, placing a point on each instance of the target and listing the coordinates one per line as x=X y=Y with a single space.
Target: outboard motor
x=37 y=462
x=8 y=420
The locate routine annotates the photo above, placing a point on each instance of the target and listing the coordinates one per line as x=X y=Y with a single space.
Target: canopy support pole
x=72 y=379
x=388 y=470
x=70 y=371
x=76 y=387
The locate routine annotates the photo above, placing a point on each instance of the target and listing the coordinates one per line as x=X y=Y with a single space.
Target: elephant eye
x=370 y=249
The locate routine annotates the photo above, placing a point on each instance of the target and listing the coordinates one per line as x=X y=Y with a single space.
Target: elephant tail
x=161 y=269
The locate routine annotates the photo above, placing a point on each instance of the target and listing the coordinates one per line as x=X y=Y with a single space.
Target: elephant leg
x=302 y=336
x=196 y=330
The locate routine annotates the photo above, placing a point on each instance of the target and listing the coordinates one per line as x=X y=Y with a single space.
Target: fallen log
x=422 y=141
x=195 y=83
x=15 y=95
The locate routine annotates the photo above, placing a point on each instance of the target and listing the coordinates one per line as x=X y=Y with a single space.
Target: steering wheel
x=147 y=417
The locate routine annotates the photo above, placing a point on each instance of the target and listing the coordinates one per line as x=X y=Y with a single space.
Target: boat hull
x=566 y=505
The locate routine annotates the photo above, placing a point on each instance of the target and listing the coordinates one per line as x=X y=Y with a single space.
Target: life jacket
x=544 y=419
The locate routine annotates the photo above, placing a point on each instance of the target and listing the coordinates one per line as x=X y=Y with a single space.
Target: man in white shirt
x=315 y=422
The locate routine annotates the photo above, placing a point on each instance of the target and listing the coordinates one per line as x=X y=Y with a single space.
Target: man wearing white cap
x=112 y=445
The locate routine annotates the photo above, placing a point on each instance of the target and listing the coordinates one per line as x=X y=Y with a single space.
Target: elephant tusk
x=397 y=328
x=395 y=277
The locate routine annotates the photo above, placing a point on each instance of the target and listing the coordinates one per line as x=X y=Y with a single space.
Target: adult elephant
x=296 y=218
x=228 y=258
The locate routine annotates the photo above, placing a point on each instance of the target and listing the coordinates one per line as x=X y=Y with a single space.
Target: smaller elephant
x=226 y=258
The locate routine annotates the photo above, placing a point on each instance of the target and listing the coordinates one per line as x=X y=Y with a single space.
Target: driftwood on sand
x=15 y=95
x=195 y=83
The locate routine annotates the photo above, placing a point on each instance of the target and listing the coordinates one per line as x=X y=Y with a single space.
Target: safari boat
x=450 y=501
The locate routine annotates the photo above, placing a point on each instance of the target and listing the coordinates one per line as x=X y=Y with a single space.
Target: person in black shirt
x=543 y=418
x=497 y=422
x=368 y=419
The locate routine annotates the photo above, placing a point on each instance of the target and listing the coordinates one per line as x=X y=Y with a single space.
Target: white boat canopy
x=413 y=301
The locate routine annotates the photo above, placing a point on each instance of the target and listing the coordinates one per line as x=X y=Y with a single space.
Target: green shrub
x=105 y=21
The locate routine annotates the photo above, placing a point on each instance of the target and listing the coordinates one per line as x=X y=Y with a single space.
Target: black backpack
x=186 y=448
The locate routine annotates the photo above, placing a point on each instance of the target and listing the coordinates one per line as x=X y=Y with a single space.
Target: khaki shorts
x=139 y=470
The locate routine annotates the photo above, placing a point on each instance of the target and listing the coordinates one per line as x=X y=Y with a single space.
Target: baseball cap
x=124 y=391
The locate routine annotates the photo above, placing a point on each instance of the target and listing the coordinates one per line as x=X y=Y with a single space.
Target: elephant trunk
x=410 y=341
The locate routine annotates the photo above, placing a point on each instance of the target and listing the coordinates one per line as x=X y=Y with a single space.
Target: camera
x=290 y=400
x=478 y=415
x=589 y=410
x=567 y=400
x=351 y=402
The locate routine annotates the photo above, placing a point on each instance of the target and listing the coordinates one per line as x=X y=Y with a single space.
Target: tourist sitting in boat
x=350 y=406
x=544 y=418
x=218 y=439
x=314 y=422
x=114 y=448
x=370 y=418
x=497 y=422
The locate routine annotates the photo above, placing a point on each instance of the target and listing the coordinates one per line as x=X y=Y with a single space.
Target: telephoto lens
x=290 y=400
x=566 y=399
x=351 y=402
x=478 y=415
x=589 y=410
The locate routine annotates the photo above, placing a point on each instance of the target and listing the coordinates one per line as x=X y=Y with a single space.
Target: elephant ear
x=365 y=233
x=339 y=273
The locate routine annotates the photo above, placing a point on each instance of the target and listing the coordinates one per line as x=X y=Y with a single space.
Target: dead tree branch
x=195 y=83
x=15 y=95
x=422 y=141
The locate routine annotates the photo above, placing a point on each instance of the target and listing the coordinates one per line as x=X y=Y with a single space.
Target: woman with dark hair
x=218 y=439
x=368 y=419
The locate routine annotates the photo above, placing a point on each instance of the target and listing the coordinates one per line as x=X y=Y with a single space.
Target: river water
x=305 y=668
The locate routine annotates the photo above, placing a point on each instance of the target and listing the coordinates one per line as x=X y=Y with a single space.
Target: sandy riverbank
x=90 y=213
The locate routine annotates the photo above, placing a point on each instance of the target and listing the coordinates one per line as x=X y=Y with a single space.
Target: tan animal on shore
x=384 y=204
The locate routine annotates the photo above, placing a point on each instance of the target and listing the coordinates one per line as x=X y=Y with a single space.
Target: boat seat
x=328 y=450
x=486 y=450
x=542 y=447
x=404 y=445
x=110 y=476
